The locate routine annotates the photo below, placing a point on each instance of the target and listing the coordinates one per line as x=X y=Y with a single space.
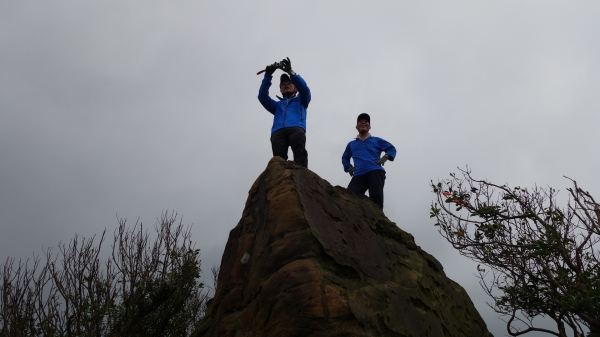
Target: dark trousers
x=372 y=181
x=290 y=137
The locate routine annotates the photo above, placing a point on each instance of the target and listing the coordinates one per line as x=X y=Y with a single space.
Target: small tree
x=544 y=259
x=146 y=287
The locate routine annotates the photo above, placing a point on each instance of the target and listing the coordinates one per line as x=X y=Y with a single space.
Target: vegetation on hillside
x=542 y=260
x=149 y=285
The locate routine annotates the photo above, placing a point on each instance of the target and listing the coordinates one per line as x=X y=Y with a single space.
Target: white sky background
x=130 y=108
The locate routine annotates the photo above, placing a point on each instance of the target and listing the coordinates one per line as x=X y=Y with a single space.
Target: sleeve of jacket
x=346 y=158
x=302 y=89
x=263 y=95
x=388 y=148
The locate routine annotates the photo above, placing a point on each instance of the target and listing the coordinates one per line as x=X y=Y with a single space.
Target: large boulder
x=310 y=259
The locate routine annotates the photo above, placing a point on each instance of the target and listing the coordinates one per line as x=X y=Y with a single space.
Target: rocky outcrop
x=310 y=259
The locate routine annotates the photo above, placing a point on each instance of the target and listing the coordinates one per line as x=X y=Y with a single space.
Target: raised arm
x=263 y=94
x=299 y=83
x=302 y=88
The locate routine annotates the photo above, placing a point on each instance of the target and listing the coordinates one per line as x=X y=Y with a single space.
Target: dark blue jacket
x=365 y=153
x=288 y=112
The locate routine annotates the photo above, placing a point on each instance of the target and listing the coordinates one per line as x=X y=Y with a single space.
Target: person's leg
x=279 y=143
x=376 y=182
x=297 y=140
x=359 y=185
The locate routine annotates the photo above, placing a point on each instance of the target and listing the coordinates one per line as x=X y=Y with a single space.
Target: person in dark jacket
x=289 y=113
x=365 y=151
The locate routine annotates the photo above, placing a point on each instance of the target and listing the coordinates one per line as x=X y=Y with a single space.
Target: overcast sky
x=129 y=108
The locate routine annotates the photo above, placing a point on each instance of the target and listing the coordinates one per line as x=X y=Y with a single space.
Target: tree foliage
x=542 y=259
x=146 y=286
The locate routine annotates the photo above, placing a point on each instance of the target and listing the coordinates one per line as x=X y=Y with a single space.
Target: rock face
x=309 y=259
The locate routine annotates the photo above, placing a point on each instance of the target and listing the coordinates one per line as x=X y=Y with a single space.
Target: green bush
x=542 y=260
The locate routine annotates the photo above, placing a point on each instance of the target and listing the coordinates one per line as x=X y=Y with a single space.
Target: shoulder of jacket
x=378 y=139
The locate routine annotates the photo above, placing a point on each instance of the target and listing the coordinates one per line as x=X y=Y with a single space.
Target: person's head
x=363 y=123
x=286 y=86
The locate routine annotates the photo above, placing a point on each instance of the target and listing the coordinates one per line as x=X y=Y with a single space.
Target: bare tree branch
x=148 y=286
x=544 y=260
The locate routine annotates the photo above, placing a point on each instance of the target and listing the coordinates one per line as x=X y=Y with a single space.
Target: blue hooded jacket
x=289 y=111
x=365 y=153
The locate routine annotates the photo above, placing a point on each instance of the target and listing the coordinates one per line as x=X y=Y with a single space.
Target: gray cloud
x=132 y=108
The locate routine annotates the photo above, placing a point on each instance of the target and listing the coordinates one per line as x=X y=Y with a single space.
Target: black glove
x=286 y=65
x=270 y=69
x=381 y=161
x=351 y=171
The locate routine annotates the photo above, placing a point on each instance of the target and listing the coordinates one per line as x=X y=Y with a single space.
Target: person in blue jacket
x=365 y=150
x=289 y=113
